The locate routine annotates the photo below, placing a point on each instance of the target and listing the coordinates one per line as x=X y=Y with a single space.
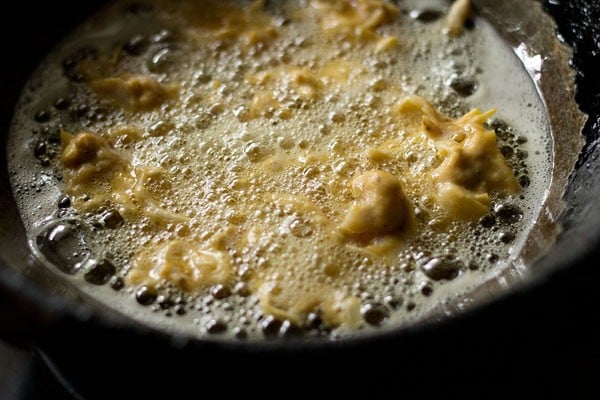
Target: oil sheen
x=244 y=170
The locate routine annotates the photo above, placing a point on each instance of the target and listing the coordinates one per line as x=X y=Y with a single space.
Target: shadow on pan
x=549 y=328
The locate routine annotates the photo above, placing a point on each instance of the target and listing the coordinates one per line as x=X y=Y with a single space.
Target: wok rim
x=61 y=309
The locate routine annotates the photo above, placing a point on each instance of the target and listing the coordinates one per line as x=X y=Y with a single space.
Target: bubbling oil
x=207 y=143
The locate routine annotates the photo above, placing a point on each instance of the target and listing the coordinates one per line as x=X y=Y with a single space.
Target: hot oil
x=209 y=148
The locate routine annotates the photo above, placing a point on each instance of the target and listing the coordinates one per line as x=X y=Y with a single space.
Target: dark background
x=542 y=338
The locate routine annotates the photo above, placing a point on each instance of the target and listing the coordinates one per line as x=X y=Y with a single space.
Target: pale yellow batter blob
x=134 y=93
x=97 y=176
x=381 y=208
x=225 y=20
x=357 y=19
x=183 y=263
x=457 y=15
x=471 y=167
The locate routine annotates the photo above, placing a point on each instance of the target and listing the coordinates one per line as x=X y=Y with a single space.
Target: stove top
x=25 y=376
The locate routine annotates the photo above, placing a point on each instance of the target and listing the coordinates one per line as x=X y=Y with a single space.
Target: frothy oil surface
x=302 y=168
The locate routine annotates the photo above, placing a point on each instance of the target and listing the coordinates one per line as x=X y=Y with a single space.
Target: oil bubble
x=98 y=272
x=145 y=296
x=442 y=268
x=63 y=243
x=374 y=313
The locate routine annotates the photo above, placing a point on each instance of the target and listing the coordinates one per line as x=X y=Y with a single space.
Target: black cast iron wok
x=546 y=327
